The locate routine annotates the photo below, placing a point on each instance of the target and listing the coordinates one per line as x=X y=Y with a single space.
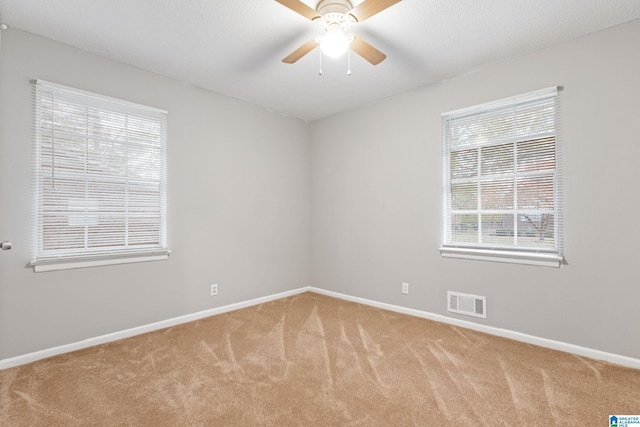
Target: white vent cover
x=471 y=305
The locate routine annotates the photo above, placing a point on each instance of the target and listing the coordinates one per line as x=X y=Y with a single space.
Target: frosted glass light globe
x=334 y=44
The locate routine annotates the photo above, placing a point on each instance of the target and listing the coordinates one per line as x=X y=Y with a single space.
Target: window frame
x=141 y=130
x=541 y=256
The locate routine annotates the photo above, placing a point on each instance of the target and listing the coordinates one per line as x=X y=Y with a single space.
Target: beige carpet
x=311 y=360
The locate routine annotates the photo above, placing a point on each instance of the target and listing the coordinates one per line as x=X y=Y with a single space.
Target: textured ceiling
x=235 y=47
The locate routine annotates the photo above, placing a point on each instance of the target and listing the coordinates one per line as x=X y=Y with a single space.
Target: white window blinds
x=501 y=164
x=100 y=177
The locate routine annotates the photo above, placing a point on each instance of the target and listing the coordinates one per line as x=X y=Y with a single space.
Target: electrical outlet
x=214 y=290
x=405 y=288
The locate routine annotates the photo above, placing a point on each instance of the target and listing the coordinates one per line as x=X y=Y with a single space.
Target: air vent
x=470 y=305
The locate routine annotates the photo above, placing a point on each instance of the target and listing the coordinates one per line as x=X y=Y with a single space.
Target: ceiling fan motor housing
x=334 y=14
x=334 y=6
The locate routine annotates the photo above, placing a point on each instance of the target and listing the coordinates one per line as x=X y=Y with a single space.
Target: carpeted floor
x=311 y=360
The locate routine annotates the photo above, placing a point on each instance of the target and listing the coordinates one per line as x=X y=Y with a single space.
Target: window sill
x=512 y=257
x=97 y=261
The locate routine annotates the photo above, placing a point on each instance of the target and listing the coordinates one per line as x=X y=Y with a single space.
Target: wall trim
x=618 y=359
x=505 y=333
x=127 y=333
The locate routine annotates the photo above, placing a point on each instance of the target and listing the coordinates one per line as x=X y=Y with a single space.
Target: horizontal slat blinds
x=100 y=175
x=502 y=188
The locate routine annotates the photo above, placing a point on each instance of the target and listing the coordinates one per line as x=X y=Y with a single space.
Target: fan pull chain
x=320 y=71
x=349 y=62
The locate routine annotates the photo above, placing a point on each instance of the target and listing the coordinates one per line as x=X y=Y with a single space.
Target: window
x=100 y=180
x=502 y=192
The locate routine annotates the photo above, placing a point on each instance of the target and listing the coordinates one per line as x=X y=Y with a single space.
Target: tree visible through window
x=100 y=176
x=501 y=175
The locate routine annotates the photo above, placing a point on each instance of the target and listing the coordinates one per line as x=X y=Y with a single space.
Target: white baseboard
x=103 y=339
x=506 y=333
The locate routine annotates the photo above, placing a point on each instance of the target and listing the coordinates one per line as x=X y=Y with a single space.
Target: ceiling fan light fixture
x=334 y=43
x=334 y=17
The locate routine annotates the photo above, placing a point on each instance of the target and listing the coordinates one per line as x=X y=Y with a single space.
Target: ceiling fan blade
x=367 y=51
x=301 y=8
x=301 y=51
x=368 y=8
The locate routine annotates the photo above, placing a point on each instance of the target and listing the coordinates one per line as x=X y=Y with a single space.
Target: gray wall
x=238 y=205
x=243 y=183
x=376 y=198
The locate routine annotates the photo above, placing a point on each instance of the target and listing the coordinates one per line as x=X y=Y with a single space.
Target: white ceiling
x=235 y=47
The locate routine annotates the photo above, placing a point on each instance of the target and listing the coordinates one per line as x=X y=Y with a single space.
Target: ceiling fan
x=334 y=16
